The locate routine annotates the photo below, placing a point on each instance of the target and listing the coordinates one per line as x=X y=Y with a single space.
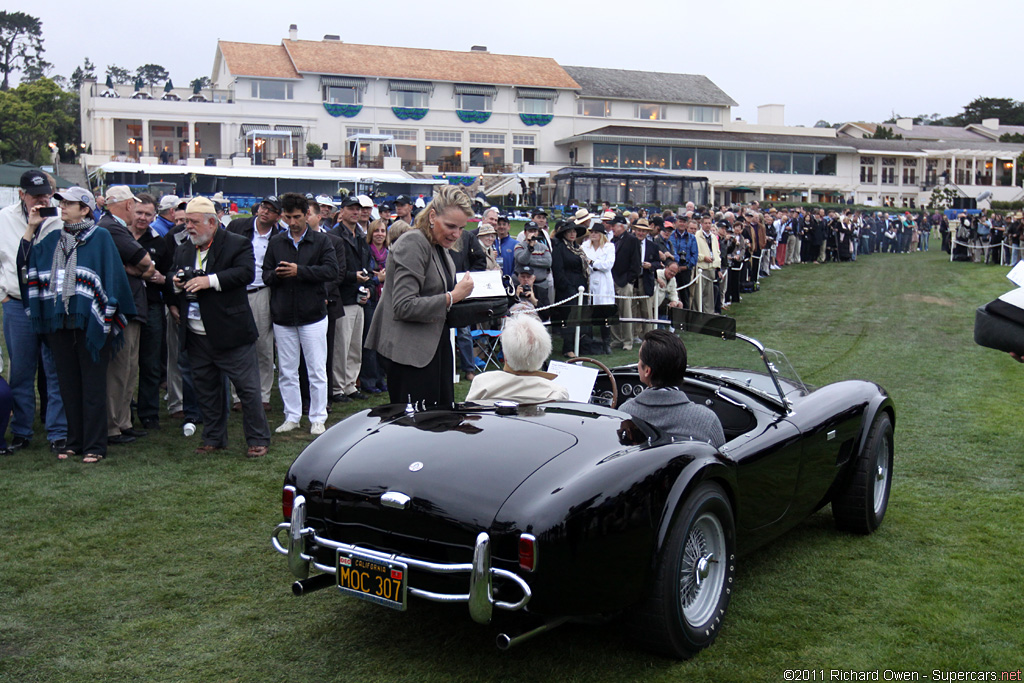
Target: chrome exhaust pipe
x=313 y=583
x=505 y=641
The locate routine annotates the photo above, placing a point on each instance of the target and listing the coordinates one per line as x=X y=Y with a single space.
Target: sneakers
x=287 y=426
x=317 y=429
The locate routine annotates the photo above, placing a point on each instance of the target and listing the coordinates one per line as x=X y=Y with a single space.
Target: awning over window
x=466 y=89
x=343 y=81
x=539 y=93
x=257 y=127
x=297 y=130
x=411 y=86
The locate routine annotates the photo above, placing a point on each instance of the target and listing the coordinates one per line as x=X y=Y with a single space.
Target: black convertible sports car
x=566 y=511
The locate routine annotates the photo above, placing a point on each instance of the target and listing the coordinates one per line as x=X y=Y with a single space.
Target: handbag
x=474 y=311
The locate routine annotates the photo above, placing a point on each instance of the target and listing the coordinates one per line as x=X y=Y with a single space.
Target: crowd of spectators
x=215 y=299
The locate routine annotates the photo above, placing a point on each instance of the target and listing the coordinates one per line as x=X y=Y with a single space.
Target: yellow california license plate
x=368 y=578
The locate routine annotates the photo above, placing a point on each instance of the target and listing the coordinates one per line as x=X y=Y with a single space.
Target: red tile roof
x=251 y=59
x=336 y=57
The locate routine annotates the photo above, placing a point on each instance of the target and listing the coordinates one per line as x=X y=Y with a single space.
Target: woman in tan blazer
x=408 y=331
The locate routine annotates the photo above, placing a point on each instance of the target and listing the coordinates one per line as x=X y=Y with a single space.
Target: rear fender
x=710 y=466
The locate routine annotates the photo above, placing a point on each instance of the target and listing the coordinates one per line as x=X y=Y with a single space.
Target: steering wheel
x=601 y=398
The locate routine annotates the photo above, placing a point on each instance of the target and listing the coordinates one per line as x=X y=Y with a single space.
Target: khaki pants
x=259 y=302
x=707 y=292
x=122 y=378
x=643 y=308
x=348 y=349
x=622 y=334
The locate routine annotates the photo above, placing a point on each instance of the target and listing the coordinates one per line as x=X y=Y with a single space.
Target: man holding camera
x=533 y=251
x=211 y=271
x=354 y=292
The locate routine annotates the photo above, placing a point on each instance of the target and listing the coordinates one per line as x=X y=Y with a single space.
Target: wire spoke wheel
x=702 y=572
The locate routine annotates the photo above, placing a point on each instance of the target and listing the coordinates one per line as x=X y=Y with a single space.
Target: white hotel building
x=405 y=118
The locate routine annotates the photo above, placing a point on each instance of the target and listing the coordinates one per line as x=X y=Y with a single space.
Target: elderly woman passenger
x=526 y=345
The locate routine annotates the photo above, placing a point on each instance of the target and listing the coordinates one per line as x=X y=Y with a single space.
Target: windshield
x=715 y=351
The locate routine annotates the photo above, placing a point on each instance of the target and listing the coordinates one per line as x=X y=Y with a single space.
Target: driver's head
x=662 y=361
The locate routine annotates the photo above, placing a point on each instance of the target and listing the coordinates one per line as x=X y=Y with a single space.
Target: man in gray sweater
x=663 y=404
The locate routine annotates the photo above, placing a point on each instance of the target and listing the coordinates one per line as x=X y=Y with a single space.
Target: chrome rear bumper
x=481 y=574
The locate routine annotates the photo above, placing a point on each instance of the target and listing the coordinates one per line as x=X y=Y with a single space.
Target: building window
x=650 y=112
x=474 y=102
x=351 y=130
x=524 y=140
x=910 y=171
x=684 y=159
x=272 y=90
x=931 y=171
x=399 y=133
x=606 y=156
x=443 y=136
x=803 y=164
x=488 y=157
x=732 y=160
x=709 y=160
x=536 y=105
x=631 y=156
x=824 y=164
x=658 y=157
x=487 y=138
x=867 y=170
x=757 y=162
x=706 y=114
x=336 y=94
x=888 y=170
x=780 y=162
x=594 y=108
x=410 y=100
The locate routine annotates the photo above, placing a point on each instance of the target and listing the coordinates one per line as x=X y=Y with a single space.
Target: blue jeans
x=1014 y=254
x=23 y=346
x=464 y=347
x=923 y=243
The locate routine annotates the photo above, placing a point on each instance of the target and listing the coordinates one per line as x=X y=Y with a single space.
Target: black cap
x=531 y=226
x=619 y=219
x=526 y=269
x=349 y=200
x=273 y=201
x=35 y=183
x=310 y=198
x=402 y=199
x=539 y=211
x=385 y=207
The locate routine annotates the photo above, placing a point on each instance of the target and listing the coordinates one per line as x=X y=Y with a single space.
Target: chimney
x=331 y=36
x=771 y=115
x=991 y=124
x=293 y=32
x=905 y=124
x=478 y=48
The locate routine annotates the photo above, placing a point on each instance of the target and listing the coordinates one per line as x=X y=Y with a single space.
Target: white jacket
x=602 y=286
x=12 y=228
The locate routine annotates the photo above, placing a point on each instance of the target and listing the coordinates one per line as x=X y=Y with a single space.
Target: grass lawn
x=155 y=565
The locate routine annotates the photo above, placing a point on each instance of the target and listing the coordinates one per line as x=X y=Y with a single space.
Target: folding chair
x=487 y=348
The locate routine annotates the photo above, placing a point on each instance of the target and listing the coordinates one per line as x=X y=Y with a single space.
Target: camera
x=364 y=296
x=188 y=273
x=47 y=211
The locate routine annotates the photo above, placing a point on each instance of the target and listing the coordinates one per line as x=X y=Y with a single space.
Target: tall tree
x=34 y=115
x=152 y=74
x=118 y=75
x=1008 y=111
x=21 y=45
x=883 y=133
x=82 y=74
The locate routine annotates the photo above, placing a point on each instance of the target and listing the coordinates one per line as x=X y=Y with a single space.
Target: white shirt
x=13 y=224
x=259 y=250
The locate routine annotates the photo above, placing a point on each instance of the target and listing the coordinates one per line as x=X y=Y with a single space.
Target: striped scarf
x=65 y=258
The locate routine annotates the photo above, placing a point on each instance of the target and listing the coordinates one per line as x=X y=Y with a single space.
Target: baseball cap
x=119 y=193
x=324 y=200
x=524 y=270
x=539 y=211
x=168 y=201
x=402 y=199
x=531 y=226
x=365 y=202
x=200 y=205
x=77 y=194
x=273 y=201
x=35 y=183
x=349 y=201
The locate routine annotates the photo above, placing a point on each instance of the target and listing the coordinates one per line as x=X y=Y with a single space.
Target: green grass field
x=155 y=565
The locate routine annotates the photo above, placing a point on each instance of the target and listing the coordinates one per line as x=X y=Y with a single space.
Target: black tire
x=680 y=617
x=860 y=507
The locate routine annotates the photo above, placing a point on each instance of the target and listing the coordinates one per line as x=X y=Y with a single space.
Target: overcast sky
x=837 y=61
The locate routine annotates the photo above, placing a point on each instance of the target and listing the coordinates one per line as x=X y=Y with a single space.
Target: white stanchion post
x=579 y=302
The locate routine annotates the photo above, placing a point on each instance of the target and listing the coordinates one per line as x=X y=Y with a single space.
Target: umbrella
x=169 y=86
x=139 y=84
x=197 y=87
x=110 y=82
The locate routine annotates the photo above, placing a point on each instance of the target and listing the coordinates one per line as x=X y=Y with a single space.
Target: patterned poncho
x=102 y=301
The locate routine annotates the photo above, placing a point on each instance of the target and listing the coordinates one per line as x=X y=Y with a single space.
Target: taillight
x=287 y=501
x=527 y=552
